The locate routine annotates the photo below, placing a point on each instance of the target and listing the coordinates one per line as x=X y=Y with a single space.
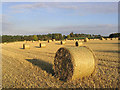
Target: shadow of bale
x=37 y=47
x=21 y=48
x=43 y=65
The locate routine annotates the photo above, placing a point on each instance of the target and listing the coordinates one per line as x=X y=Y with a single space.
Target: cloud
x=111 y=7
x=60 y=0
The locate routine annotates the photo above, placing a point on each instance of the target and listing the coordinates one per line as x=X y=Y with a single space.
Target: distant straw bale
x=77 y=43
x=102 y=38
x=42 y=45
x=86 y=40
x=26 y=46
x=53 y=39
x=62 y=42
x=49 y=41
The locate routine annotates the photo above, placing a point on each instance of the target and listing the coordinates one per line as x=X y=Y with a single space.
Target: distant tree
x=114 y=35
x=71 y=34
x=35 y=38
x=68 y=36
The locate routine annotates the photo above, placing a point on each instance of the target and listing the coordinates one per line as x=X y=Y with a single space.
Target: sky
x=26 y=18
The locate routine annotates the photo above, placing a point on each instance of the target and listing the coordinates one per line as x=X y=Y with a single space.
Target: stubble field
x=32 y=68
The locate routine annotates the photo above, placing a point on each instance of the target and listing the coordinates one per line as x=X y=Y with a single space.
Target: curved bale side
x=78 y=43
x=49 y=41
x=42 y=45
x=62 y=42
x=26 y=46
x=72 y=63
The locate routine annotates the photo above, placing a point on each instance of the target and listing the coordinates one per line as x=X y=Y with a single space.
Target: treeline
x=57 y=36
x=114 y=35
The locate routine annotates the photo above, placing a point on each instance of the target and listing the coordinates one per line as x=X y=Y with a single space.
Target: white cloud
x=59 y=0
x=81 y=7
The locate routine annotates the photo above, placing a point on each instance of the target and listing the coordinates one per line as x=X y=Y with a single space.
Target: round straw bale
x=26 y=46
x=53 y=39
x=102 y=38
x=49 y=41
x=42 y=45
x=86 y=40
x=5 y=43
x=72 y=63
x=78 y=43
x=62 y=42
x=33 y=41
x=107 y=38
x=117 y=38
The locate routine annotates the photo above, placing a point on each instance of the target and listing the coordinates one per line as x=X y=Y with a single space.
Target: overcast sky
x=20 y=18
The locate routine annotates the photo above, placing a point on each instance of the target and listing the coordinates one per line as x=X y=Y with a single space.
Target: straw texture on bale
x=26 y=46
x=62 y=42
x=49 y=41
x=72 y=63
x=42 y=45
x=78 y=43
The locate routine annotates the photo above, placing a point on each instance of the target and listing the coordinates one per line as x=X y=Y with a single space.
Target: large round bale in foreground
x=26 y=46
x=42 y=45
x=72 y=63
x=77 y=43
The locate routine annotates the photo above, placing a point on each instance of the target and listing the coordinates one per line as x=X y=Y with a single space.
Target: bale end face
x=72 y=63
x=63 y=66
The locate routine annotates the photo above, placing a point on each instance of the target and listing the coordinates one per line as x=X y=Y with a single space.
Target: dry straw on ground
x=62 y=42
x=26 y=46
x=42 y=45
x=72 y=63
x=77 y=43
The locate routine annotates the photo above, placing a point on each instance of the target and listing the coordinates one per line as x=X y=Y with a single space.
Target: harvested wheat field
x=33 y=68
